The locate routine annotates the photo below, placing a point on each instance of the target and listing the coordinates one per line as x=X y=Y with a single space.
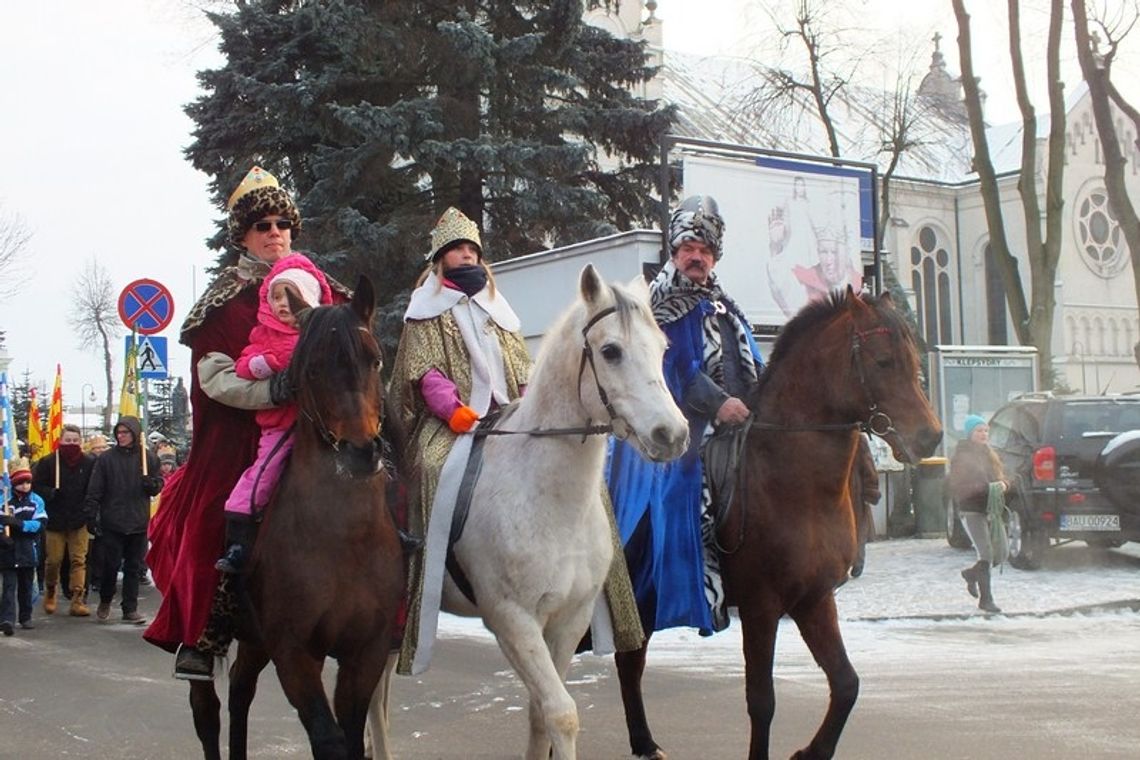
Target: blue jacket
x=19 y=550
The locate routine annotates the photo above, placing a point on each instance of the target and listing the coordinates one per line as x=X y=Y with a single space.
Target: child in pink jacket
x=271 y=344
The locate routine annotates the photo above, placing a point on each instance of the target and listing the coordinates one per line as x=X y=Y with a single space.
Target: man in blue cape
x=663 y=512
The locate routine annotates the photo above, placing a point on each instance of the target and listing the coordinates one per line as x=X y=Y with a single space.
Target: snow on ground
x=911 y=589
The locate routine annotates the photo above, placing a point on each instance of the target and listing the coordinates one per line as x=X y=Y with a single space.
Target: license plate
x=1090 y=522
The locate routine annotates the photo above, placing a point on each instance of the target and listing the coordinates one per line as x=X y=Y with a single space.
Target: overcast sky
x=92 y=135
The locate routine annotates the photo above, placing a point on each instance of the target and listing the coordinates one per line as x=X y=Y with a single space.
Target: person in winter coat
x=20 y=524
x=61 y=480
x=271 y=344
x=973 y=468
x=119 y=498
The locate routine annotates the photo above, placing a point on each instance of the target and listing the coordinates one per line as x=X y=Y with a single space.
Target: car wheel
x=1027 y=545
x=956 y=535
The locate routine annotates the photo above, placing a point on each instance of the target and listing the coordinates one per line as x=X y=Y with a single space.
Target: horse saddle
x=721 y=457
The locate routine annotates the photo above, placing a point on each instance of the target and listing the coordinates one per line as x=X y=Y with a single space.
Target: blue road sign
x=152 y=356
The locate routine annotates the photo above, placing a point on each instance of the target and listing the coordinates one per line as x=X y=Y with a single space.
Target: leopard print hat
x=256 y=197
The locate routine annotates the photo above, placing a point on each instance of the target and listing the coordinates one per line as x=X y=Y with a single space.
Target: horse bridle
x=618 y=426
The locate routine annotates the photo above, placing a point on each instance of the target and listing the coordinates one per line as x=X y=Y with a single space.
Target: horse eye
x=886 y=362
x=611 y=353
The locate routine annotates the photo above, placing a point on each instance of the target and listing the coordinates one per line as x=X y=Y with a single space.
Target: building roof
x=734 y=100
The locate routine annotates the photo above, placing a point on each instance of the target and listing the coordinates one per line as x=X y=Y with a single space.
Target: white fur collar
x=432 y=299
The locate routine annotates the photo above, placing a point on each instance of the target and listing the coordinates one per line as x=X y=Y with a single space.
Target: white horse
x=537 y=547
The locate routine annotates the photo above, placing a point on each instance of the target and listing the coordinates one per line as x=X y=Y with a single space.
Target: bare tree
x=95 y=319
x=1033 y=325
x=1097 y=70
x=14 y=237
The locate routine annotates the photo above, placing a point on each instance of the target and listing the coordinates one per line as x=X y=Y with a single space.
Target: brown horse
x=327 y=573
x=788 y=538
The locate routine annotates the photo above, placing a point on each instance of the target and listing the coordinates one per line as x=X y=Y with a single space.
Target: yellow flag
x=129 y=396
x=55 y=412
x=37 y=444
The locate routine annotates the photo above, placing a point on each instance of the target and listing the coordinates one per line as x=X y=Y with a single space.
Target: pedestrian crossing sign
x=151 y=357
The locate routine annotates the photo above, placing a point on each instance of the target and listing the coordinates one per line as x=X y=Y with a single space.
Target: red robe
x=187 y=533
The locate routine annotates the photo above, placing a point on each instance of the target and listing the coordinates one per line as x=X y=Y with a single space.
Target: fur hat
x=453 y=227
x=972 y=422
x=306 y=285
x=96 y=443
x=258 y=196
x=699 y=219
x=19 y=471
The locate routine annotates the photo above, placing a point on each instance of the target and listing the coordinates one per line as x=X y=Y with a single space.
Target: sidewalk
x=914 y=577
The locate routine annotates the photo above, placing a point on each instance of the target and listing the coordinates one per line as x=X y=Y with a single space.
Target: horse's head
x=884 y=356
x=620 y=376
x=335 y=373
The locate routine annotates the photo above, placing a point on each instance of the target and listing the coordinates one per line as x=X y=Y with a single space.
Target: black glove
x=152 y=484
x=12 y=520
x=280 y=391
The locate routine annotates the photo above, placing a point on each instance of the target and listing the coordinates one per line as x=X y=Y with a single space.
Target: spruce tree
x=380 y=115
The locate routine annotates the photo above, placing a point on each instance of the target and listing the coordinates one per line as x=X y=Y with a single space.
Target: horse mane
x=331 y=336
x=818 y=314
x=625 y=304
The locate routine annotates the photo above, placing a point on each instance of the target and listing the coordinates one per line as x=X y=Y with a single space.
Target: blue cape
x=673 y=569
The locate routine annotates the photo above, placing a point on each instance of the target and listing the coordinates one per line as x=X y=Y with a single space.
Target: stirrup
x=408 y=542
x=233 y=561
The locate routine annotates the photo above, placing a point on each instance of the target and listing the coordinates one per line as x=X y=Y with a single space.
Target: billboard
x=794 y=230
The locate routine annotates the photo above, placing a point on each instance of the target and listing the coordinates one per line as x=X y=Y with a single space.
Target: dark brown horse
x=327 y=573
x=789 y=536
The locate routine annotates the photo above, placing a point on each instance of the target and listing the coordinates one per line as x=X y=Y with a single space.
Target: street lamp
x=83 y=394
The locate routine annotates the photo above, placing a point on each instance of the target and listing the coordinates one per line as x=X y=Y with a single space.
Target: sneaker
x=6 y=628
x=103 y=612
x=192 y=664
x=134 y=617
x=27 y=625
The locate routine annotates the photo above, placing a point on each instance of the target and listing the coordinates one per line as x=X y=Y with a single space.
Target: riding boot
x=986 y=602
x=196 y=663
x=50 y=599
x=970 y=575
x=241 y=532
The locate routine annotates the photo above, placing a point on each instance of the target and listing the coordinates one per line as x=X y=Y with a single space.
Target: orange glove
x=463 y=419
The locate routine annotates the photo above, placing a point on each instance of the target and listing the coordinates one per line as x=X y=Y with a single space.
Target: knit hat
x=20 y=471
x=699 y=219
x=258 y=196
x=304 y=282
x=453 y=227
x=972 y=422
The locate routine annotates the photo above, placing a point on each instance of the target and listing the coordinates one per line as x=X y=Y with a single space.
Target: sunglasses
x=282 y=224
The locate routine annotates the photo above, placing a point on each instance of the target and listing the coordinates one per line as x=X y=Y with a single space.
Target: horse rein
x=620 y=430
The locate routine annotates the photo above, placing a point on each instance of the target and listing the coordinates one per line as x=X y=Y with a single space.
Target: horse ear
x=886 y=300
x=364 y=299
x=639 y=287
x=590 y=284
x=298 y=307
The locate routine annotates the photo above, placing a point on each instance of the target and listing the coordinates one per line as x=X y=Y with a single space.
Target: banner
x=55 y=412
x=37 y=442
x=129 y=396
x=7 y=434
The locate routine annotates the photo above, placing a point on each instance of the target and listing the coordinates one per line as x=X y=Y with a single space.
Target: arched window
x=931 y=282
x=1071 y=325
x=1098 y=335
x=997 y=331
x=1113 y=338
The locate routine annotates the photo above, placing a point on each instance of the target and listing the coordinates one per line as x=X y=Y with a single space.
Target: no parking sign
x=146 y=306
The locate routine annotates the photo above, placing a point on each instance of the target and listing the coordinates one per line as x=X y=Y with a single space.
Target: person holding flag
x=61 y=480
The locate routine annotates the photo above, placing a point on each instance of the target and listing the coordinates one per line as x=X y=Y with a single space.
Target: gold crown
x=256 y=178
x=22 y=463
x=451 y=227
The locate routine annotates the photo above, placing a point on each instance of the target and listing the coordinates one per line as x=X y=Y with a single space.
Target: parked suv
x=1077 y=459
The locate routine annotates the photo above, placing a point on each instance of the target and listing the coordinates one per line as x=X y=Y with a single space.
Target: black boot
x=986 y=602
x=241 y=532
x=970 y=575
